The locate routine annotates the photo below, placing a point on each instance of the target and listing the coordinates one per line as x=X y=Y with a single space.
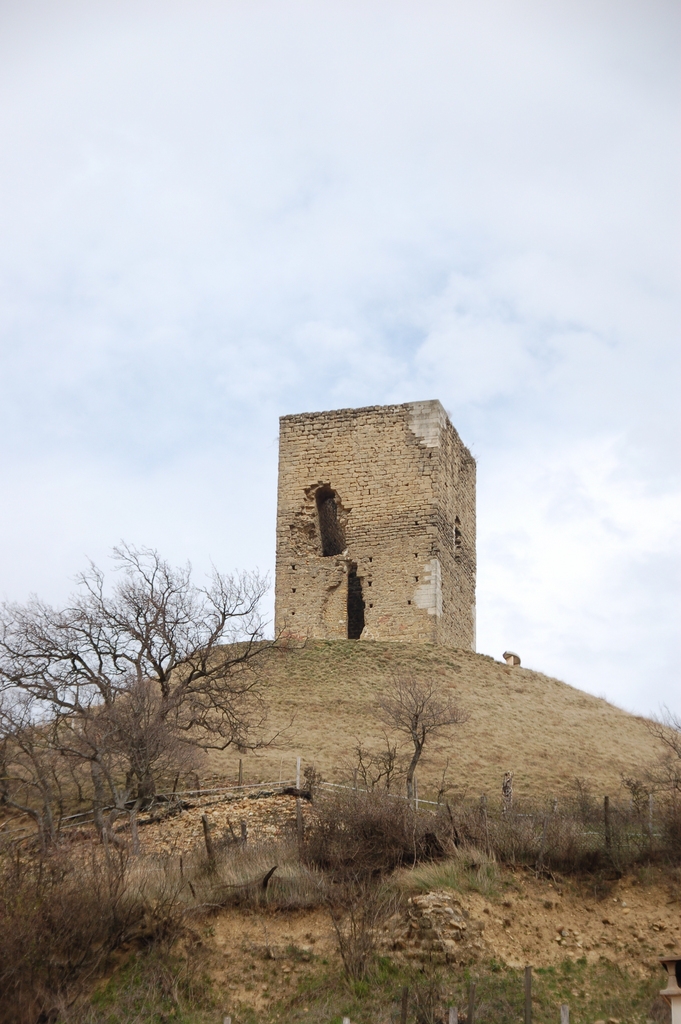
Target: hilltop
x=545 y=731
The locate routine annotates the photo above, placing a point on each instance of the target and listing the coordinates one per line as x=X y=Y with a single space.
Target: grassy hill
x=546 y=732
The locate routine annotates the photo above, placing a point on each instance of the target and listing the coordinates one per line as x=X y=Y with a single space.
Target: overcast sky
x=213 y=214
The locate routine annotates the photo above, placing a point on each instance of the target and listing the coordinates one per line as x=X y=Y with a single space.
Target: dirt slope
x=543 y=730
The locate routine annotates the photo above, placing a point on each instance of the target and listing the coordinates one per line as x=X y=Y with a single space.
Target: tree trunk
x=134 y=833
x=98 y=801
x=412 y=768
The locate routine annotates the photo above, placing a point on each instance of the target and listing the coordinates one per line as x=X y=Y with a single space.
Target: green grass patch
x=155 y=988
x=470 y=870
x=152 y=987
x=592 y=992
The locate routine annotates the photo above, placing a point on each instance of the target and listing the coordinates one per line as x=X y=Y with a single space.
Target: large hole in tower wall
x=355 y=605
x=330 y=530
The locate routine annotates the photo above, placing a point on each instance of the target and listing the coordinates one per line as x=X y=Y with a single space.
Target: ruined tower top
x=376 y=526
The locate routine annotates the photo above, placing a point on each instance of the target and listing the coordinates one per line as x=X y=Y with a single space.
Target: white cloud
x=217 y=213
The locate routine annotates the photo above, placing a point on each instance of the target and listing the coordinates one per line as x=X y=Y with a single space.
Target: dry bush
x=661 y=1011
x=62 y=915
x=671 y=828
x=236 y=878
x=429 y=995
x=579 y=837
x=60 y=918
x=371 y=832
x=358 y=907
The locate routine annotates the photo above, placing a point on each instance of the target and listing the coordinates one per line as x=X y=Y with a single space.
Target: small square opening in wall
x=408 y=602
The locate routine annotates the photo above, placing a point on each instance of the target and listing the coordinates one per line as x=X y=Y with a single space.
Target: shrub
x=358 y=906
x=60 y=917
x=371 y=832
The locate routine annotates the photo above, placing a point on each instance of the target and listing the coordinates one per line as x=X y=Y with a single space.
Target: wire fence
x=515 y=833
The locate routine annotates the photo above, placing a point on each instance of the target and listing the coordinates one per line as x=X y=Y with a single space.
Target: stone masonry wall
x=376 y=506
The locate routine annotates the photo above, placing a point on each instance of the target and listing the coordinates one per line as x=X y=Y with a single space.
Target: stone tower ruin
x=376 y=526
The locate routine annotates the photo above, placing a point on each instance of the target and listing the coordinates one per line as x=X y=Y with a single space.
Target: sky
x=215 y=214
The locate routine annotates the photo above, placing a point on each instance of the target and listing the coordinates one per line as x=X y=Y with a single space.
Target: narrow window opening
x=457 y=535
x=408 y=602
x=330 y=530
x=370 y=558
x=355 y=605
x=293 y=590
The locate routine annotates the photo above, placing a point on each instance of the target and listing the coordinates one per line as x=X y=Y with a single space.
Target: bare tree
x=129 y=676
x=376 y=768
x=665 y=774
x=418 y=709
x=31 y=769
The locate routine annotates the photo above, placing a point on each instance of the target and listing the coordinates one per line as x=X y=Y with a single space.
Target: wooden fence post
x=650 y=819
x=471 y=1003
x=606 y=822
x=241 y=772
x=416 y=793
x=405 y=1004
x=564 y=1014
x=244 y=833
x=528 y=995
x=483 y=811
x=453 y=1015
x=210 y=849
x=299 y=807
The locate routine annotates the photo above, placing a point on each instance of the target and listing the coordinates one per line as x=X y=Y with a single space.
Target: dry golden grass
x=546 y=732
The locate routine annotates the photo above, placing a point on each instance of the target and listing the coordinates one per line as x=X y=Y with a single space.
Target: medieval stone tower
x=376 y=526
